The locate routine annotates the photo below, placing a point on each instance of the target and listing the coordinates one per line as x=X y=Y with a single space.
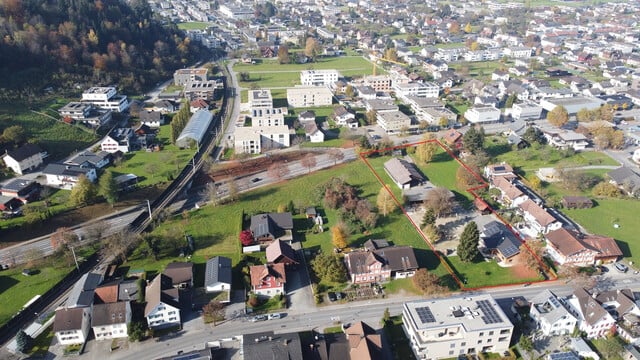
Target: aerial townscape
x=321 y=180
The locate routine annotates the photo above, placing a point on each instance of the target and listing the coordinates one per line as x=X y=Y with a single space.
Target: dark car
x=603 y=269
x=255 y=180
x=332 y=296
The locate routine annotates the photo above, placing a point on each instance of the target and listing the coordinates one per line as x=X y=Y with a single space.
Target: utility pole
x=74 y=257
x=149 y=209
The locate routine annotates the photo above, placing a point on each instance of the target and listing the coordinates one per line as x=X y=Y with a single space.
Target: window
x=504 y=331
x=451 y=352
x=463 y=344
x=481 y=334
x=490 y=332
x=479 y=341
x=452 y=345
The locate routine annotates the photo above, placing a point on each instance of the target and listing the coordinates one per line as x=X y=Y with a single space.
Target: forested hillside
x=64 y=43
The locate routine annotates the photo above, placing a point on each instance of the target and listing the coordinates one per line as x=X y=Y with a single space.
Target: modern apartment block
x=106 y=98
x=260 y=99
x=449 y=327
x=318 y=77
x=305 y=96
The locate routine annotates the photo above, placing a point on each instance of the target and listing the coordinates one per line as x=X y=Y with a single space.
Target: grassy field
x=485 y=273
x=155 y=167
x=194 y=25
x=270 y=74
x=601 y=219
x=57 y=138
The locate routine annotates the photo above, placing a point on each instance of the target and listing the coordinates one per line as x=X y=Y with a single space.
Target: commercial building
x=449 y=327
x=305 y=96
x=479 y=115
x=572 y=104
x=393 y=121
x=526 y=111
x=183 y=76
x=106 y=98
x=319 y=77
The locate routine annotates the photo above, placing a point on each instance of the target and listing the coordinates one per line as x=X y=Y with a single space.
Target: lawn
x=270 y=74
x=399 y=342
x=57 y=138
x=193 y=25
x=42 y=342
x=155 y=167
x=601 y=219
x=484 y=273
x=17 y=289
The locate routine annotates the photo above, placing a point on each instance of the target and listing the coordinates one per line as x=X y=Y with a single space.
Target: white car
x=275 y=316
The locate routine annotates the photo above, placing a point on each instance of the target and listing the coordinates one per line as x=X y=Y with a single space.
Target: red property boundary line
x=472 y=191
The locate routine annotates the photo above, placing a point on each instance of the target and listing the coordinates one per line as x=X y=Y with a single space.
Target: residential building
x=71 y=325
x=510 y=195
x=495 y=171
x=378 y=83
x=449 y=327
x=403 y=173
x=497 y=241
x=593 y=319
x=537 y=218
x=267 y=345
x=195 y=130
x=364 y=342
x=312 y=133
x=307 y=116
x=551 y=314
x=181 y=274
x=517 y=52
x=481 y=115
x=90 y=159
x=526 y=111
x=252 y=140
x=319 y=77
x=217 y=276
x=118 y=140
x=626 y=179
x=106 y=98
x=66 y=176
x=280 y=252
x=163 y=303
x=24 y=190
x=306 y=96
x=268 y=117
x=453 y=138
x=237 y=12
x=85 y=113
x=110 y=321
x=576 y=202
x=272 y=226
x=153 y=119
x=202 y=89
x=260 y=99
x=23 y=159
x=564 y=139
x=419 y=89
x=268 y=280
x=183 y=76
x=344 y=117
x=82 y=293
x=566 y=248
x=381 y=264
x=393 y=121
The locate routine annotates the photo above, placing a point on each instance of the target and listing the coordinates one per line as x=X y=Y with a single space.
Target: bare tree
x=97 y=230
x=63 y=236
x=336 y=155
x=308 y=161
x=213 y=312
x=278 y=170
x=440 y=200
x=118 y=244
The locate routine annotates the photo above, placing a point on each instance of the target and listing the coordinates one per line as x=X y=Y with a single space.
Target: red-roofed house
x=510 y=195
x=566 y=248
x=537 y=218
x=268 y=280
x=607 y=248
x=453 y=138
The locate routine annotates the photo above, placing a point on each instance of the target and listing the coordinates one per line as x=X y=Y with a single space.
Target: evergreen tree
x=108 y=188
x=473 y=140
x=429 y=217
x=468 y=247
x=24 y=342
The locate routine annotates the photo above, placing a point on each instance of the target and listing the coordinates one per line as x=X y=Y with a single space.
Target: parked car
x=332 y=296
x=259 y=318
x=621 y=267
x=603 y=269
x=275 y=316
x=339 y=295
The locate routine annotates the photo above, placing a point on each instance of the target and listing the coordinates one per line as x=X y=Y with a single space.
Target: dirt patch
x=520 y=270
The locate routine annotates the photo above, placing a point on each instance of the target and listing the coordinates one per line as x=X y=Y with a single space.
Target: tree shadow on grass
x=441 y=157
x=498 y=149
x=6 y=283
x=258 y=194
x=426 y=259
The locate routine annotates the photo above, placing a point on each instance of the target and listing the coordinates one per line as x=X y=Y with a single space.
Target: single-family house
x=23 y=159
x=593 y=319
x=344 y=117
x=163 y=303
x=120 y=139
x=537 y=218
x=564 y=139
x=381 y=264
x=313 y=133
x=566 y=248
x=71 y=325
x=497 y=240
x=503 y=170
x=606 y=247
x=403 y=173
x=97 y=160
x=67 y=176
x=165 y=106
x=266 y=344
x=307 y=116
x=551 y=314
x=24 y=190
x=510 y=194
x=110 y=321
x=181 y=274
x=272 y=226
x=217 y=277
x=8 y=203
x=364 y=342
x=453 y=138
x=151 y=118
x=280 y=252
x=626 y=179
x=268 y=280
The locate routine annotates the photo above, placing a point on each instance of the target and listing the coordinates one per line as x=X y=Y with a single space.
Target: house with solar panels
x=497 y=241
x=454 y=326
x=217 y=277
x=551 y=314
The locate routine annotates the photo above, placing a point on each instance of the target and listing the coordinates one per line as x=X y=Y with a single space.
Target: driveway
x=299 y=286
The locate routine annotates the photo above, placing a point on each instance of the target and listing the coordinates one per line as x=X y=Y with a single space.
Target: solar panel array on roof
x=490 y=316
x=425 y=315
x=499 y=168
x=508 y=249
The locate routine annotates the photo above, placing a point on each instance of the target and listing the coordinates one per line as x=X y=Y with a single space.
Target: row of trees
x=180 y=121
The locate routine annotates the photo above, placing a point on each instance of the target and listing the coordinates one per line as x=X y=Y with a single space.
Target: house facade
x=110 y=321
x=268 y=280
x=71 y=325
x=218 y=275
x=551 y=315
x=67 y=176
x=381 y=265
x=162 y=309
x=23 y=159
x=307 y=96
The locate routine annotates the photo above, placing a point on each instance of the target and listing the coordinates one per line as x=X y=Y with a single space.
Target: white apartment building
x=71 y=325
x=106 y=98
x=306 y=96
x=260 y=99
x=236 y=12
x=85 y=113
x=552 y=315
x=393 y=121
x=253 y=140
x=479 y=115
x=526 y=111
x=517 y=52
x=110 y=320
x=427 y=90
x=449 y=327
x=267 y=117
x=319 y=77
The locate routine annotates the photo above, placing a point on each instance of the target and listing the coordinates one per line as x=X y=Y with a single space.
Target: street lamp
x=149 y=209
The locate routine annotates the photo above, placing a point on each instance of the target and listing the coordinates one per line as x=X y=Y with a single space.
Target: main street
x=195 y=334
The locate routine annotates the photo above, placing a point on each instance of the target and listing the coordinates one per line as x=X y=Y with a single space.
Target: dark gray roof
x=17 y=184
x=68 y=319
x=128 y=290
x=205 y=354
x=109 y=314
x=271 y=223
x=24 y=152
x=67 y=170
x=150 y=116
x=267 y=345
x=624 y=175
x=402 y=171
x=374 y=244
x=218 y=270
x=82 y=292
x=498 y=237
x=88 y=157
